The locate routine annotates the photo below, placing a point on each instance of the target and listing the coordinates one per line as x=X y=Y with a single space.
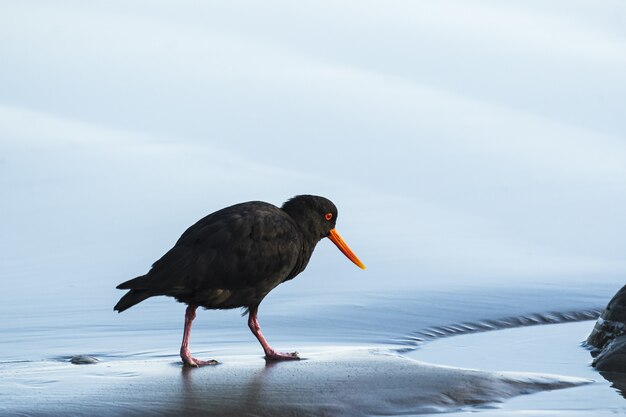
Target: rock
x=83 y=360
x=613 y=357
x=604 y=332
x=608 y=337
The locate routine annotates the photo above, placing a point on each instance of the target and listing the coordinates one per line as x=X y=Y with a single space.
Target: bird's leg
x=270 y=354
x=190 y=314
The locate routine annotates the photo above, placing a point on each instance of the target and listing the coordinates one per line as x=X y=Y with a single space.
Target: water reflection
x=203 y=394
x=617 y=380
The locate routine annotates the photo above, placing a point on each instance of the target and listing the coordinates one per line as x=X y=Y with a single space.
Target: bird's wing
x=247 y=245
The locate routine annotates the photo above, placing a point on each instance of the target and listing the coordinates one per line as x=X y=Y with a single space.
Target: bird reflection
x=201 y=390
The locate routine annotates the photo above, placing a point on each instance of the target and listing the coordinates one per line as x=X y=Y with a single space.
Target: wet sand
x=330 y=382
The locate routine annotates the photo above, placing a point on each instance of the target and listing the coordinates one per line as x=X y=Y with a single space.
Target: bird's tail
x=132 y=297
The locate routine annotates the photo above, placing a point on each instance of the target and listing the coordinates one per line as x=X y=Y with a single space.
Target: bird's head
x=317 y=217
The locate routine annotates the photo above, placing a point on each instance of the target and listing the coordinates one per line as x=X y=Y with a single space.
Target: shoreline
x=330 y=381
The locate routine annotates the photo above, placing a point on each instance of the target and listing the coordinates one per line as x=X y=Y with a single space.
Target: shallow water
x=551 y=349
x=430 y=326
x=64 y=325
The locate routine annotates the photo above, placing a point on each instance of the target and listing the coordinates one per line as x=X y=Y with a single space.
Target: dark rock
x=612 y=322
x=613 y=357
x=608 y=337
x=83 y=360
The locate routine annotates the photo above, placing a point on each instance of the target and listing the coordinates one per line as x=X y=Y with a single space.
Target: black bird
x=234 y=257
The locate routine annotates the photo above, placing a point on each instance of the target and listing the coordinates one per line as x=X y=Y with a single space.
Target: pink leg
x=190 y=314
x=270 y=354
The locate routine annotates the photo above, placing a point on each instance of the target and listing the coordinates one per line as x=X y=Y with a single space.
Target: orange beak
x=338 y=241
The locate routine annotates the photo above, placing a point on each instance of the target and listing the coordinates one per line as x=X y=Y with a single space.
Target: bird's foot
x=198 y=363
x=188 y=360
x=280 y=356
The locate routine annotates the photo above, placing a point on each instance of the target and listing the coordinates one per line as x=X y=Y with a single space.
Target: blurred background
x=465 y=143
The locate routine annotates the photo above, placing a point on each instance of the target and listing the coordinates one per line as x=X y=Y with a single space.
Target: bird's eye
x=328 y=216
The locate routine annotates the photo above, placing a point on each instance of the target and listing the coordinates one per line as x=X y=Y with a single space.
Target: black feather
x=235 y=256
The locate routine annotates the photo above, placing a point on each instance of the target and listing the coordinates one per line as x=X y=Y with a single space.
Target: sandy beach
x=348 y=382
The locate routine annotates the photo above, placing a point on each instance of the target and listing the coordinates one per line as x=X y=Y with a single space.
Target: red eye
x=329 y=216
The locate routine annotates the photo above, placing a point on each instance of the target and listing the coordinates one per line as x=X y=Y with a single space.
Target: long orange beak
x=338 y=241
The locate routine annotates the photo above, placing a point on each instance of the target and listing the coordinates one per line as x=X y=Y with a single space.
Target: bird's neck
x=309 y=235
x=306 y=250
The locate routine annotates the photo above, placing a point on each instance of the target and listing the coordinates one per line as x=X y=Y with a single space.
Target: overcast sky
x=459 y=139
